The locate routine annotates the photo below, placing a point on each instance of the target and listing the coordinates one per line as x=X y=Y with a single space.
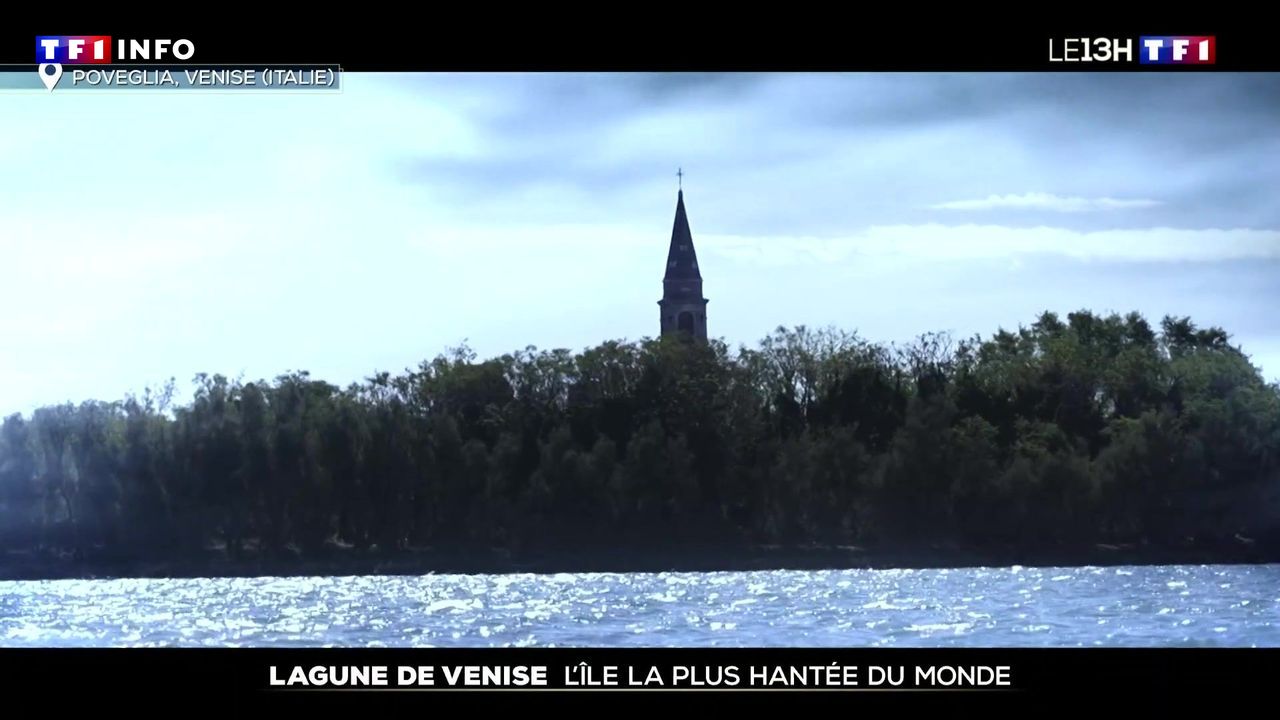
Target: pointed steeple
x=682 y=259
x=683 y=308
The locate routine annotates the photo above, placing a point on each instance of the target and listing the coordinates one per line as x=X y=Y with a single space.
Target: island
x=1089 y=439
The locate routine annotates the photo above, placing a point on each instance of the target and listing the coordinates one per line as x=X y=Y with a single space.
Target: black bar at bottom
x=274 y=675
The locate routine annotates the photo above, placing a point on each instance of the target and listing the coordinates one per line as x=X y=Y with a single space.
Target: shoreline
x=692 y=558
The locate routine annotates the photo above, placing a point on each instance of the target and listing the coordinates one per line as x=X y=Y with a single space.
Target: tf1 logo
x=1177 y=50
x=97 y=49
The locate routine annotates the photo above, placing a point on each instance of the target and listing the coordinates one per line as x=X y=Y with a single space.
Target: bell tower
x=683 y=309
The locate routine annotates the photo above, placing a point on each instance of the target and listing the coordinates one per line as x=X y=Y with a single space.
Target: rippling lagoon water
x=1002 y=607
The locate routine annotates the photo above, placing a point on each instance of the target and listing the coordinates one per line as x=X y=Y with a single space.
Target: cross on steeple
x=680 y=177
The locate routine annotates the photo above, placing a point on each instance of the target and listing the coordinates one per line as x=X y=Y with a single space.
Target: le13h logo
x=99 y=50
x=1150 y=50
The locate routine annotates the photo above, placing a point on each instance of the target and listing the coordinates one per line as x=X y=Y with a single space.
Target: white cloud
x=963 y=242
x=1047 y=201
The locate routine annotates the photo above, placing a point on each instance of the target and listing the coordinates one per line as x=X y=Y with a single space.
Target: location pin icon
x=50 y=74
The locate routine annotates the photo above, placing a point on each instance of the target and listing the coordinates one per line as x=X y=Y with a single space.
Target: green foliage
x=1083 y=430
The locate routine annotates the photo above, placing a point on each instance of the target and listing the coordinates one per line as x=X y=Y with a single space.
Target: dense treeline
x=1096 y=429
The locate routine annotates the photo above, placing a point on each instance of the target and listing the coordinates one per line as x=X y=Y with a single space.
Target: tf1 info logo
x=1150 y=50
x=98 y=49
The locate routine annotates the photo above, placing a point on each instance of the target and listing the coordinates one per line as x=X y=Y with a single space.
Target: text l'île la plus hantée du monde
x=686 y=676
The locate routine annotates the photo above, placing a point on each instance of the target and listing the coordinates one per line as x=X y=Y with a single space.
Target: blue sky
x=144 y=236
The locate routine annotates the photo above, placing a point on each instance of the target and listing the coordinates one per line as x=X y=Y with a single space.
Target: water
x=1002 y=607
